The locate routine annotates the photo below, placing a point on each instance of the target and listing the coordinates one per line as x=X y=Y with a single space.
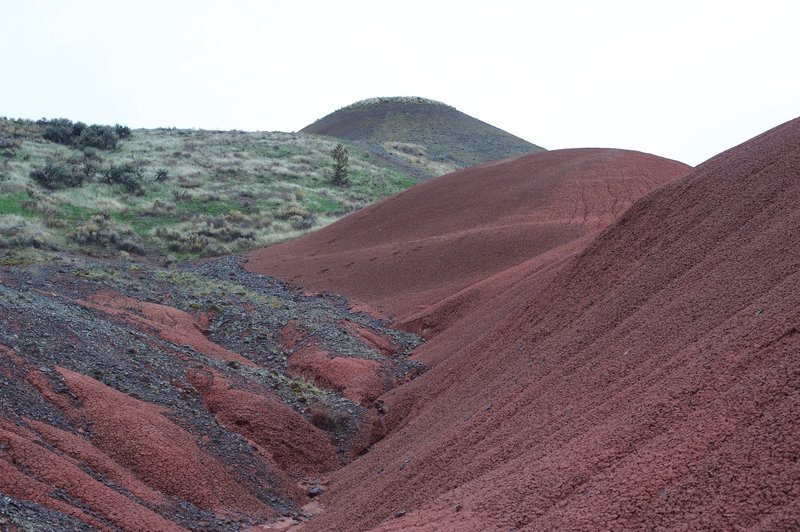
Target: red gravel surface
x=170 y=323
x=357 y=379
x=421 y=246
x=50 y=472
x=138 y=436
x=649 y=380
x=283 y=436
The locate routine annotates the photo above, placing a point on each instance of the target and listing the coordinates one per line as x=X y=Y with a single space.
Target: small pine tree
x=340 y=164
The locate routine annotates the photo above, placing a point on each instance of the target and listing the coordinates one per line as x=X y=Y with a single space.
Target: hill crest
x=423 y=137
x=411 y=100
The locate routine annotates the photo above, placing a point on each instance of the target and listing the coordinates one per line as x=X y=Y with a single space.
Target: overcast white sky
x=682 y=79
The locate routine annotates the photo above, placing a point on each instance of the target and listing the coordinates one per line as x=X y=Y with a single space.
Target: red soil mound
x=360 y=380
x=427 y=243
x=355 y=378
x=83 y=452
x=284 y=437
x=23 y=449
x=138 y=436
x=381 y=344
x=170 y=323
x=652 y=381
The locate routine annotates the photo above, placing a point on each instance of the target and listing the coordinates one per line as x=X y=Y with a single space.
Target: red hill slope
x=651 y=382
x=427 y=243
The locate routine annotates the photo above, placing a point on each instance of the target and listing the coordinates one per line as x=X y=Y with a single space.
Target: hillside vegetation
x=421 y=137
x=173 y=193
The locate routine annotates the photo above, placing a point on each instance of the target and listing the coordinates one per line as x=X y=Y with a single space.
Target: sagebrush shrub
x=79 y=135
x=129 y=175
x=61 y=130
x=306 y=221
x=16 y=231
x=188 y=241
x=58 y=173
x=161 y=207
x=100 y=137
x=183 y=196
x=291 y=210
x=298 y=216
x=209 y=235
x=101 y=230
x=42 y=204
x=8 y=147
x=122 y=132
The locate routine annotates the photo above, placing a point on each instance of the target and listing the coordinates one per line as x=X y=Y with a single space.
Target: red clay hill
x=418 y=247
x=650 y=380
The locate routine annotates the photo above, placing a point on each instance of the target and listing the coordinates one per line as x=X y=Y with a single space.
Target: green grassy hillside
x=419 y=136
x=173 y=193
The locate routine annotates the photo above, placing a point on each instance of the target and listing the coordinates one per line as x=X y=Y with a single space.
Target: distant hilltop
x=423 y=137
x=396 y=100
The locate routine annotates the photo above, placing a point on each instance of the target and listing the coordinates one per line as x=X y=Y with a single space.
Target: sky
x=680 y=79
